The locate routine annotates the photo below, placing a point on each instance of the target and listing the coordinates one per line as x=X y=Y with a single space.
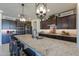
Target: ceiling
x=13 y=9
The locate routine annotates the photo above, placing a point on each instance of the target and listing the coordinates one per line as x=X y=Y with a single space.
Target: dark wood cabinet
x=66 y=22
x=59 y=37
x=45 y=24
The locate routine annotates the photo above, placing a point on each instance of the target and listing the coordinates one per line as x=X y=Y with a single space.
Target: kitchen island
x=48 y=46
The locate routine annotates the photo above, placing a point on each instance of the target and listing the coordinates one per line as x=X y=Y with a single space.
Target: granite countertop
x=49 y=46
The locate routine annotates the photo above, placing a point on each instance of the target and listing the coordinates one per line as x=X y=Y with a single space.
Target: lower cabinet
x=60 y=37
x=5 y=38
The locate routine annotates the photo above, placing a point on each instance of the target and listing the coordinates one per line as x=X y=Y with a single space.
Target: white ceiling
x=13 y=9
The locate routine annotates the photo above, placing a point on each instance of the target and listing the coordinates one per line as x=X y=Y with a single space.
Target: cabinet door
x=67 y=22
x=59 y=23
x=12 y=25
x=72 y=22
x=64 y=22
x=5 y=38
x=44 y=25
x=5 y=24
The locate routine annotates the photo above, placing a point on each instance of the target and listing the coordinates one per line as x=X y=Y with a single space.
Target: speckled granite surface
x=50 y=47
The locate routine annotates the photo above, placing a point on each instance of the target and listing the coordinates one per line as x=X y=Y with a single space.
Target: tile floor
x=4 y=50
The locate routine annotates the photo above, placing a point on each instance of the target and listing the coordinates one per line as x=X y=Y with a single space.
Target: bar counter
x=48 y=46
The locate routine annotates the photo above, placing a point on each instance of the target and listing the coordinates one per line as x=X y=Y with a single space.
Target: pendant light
x=22 y=18
x=41 y=10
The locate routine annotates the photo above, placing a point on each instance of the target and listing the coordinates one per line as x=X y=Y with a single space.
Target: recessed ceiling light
x=48 y=10
x=18 y=15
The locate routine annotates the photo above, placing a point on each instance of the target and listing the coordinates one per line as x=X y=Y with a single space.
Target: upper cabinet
x=8 y=24
x=65 y=20
x=46 y=24
x=5 y=24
